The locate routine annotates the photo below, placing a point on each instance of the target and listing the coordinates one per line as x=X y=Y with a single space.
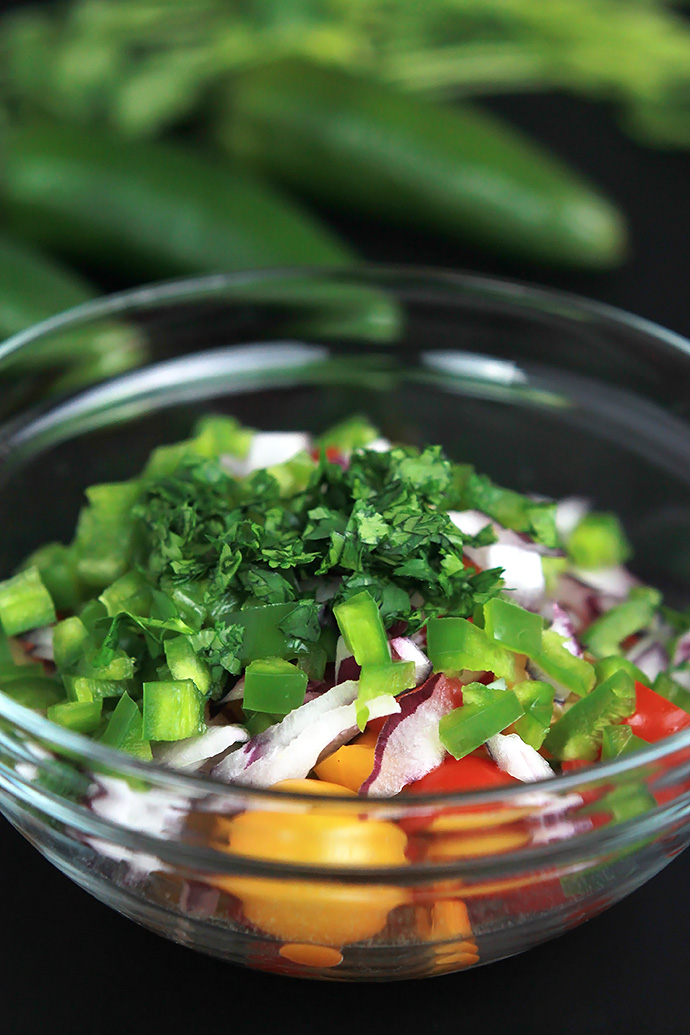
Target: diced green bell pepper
x=605 y=667
x=125 y=730
x=577 y=734
x=185 y=663
x=455 y=644
x=390 y=678
x=25 y=603
x=80 y=716
x=536 y=700
x=71 y=639
x=513 y=627
x=555 y=660
x=619 y=740
x=32 y=689
x=131 y=592
x=105 y=533
x=483 y=713
x=598 y=541
x=173 y=710
x=604 y=636
x=352 y=433
x=82 y=688
x=57 y=567
x=273 y=685
x=362 y=628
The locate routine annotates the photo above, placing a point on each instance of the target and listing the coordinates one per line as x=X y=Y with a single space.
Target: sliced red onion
x=342 y=653
x=563 y=625
x=562 y=693
x=147 y=811
x=580 y=601
x=513 y=756
x=650 y=655
x=569 y=513
x=199 y=899
x=191 y=753
x=682 y=676
x=470 y=522
x=408 y=746
x=291 y=748
x=236 y=693
x=39 y=643
x=613 y=582
x=268 y=448
x=522 y=573
x=404 y=649
x=682 y=651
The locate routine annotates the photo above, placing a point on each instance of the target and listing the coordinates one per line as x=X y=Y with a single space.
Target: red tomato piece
x=655 y=717
x=461 y=774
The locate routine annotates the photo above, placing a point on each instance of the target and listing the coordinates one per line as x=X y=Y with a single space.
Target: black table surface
x=69 y=964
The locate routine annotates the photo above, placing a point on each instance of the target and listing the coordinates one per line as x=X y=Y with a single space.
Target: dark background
x=71 y=965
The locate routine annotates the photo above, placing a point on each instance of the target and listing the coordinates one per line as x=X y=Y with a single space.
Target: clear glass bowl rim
x=87 y=751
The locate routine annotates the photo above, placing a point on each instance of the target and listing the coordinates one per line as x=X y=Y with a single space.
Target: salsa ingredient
x=268 y=607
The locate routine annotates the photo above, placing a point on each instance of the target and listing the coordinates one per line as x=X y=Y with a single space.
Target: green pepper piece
x=257 y=722
x=485 y=711
x=577 y=734
x=57 y=567
x=604 y=636
x=30 y=688
x=619 y=740
x=25 y=603
x=185 y=663
x=353 y=433
x=173 y=710
x=513 y=627
x=598 y=541
x=293 y=475
x=80 y=716
x=455 y=644
x=81 y=688
x=390 y=678
x=273 y=685
x=125 y=730
x=575 y=674
x=536 y=699
x=216 y=435
x=605 y=667
x=667 y=687
x=70 y=640
x=131 y=592
x=361 y=625
x=105 y=533
x=262 y=636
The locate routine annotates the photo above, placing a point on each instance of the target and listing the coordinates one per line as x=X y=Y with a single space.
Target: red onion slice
x=408 y=746
x=191 y=753
x=405 y=649
x=650 y=655
x=291 y=748
x=513 y=756
x=682 y=651
x=563 y=625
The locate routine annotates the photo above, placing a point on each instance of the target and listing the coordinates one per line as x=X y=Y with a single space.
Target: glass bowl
x=546 y=393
